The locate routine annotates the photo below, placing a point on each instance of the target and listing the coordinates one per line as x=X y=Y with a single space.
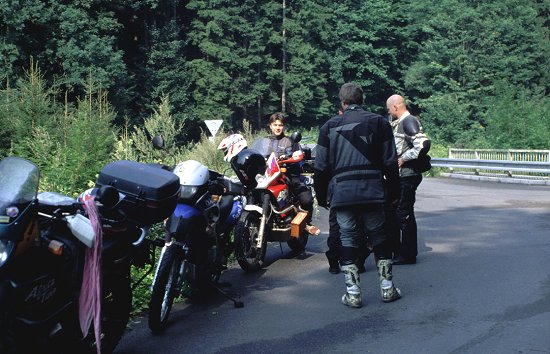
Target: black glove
x=216 y=188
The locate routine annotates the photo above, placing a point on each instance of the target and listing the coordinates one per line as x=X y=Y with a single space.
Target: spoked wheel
x=165 y=288
x=250 y=257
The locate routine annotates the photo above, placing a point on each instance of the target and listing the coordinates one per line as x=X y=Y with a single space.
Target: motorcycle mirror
x=158 y=142
x=296 y=137
x=108 y=196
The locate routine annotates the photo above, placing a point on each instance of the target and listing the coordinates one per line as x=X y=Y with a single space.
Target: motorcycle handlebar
x=224 y=186
x=291 y=159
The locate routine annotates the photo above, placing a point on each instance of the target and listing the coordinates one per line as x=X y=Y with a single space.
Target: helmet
x=247 y=164
x=232 y=145
x=193 y=179
x=192 y=173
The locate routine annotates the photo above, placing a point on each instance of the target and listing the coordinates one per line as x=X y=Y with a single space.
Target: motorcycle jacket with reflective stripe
x=355 y=157
x=282 y=145
x=410 y=140
x=279 y=145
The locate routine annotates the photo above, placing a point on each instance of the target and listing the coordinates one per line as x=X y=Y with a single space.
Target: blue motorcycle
x=197 y=242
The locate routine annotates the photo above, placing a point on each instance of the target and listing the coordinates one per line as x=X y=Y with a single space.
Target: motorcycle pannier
x=150 y=193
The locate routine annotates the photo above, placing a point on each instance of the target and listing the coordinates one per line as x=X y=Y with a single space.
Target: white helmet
x=232 y=145
x=191 y=173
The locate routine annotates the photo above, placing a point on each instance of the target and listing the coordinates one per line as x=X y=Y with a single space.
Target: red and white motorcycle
x=272 y=212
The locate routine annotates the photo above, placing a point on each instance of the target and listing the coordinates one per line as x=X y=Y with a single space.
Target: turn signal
x=283 y=169
x=56 y=247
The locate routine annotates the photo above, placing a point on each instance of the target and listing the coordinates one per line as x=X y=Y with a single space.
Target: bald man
x=411 y=143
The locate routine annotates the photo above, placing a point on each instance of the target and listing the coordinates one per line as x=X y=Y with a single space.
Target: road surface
x=481 y=285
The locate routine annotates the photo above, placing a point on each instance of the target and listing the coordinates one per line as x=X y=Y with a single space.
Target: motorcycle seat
x=49 y=202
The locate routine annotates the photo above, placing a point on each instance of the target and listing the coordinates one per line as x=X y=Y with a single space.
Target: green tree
x=167 y=68
x=70 y=39
x=72 y=151
x=304 y=75
x=365 y=45
x=463 y=52
x=516 y=119
x=28 y=105
x=230 y=67
x=160 y=123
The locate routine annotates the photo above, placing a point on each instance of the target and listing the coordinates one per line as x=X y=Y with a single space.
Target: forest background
x=80 y=79
x=85 y=82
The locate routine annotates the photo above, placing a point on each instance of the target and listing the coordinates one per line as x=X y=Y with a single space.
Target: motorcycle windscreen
x=18 y=186
x=18 y=189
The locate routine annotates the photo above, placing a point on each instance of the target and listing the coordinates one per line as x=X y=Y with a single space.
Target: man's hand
x=400 y=162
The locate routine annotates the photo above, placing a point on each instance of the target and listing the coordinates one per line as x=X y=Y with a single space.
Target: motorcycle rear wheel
x=249 y=257
x=164 y=289
x=115 y=312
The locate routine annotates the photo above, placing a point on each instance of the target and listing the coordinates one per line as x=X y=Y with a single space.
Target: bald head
x=396 y=106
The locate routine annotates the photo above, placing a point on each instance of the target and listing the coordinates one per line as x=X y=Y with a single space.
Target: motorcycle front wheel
x=250 y=257
x=165 y=288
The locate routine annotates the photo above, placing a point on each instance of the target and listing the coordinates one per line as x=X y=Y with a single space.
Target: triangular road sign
x=213 y=125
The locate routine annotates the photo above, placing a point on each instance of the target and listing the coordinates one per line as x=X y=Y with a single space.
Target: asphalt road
x=481 y=285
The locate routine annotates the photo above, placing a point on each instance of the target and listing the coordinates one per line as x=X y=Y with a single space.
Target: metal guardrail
x=501 y=154
x=506 y=165
x=493 y=165
x=531 y=172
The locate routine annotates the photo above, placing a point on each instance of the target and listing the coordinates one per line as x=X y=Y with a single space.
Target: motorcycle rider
x=355 y=157
x=282 y=145
x=411 y=143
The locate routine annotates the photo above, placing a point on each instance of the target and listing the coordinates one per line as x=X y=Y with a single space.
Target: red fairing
x=276 y=189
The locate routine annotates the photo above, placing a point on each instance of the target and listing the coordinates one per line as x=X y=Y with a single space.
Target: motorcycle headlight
x=5 y=250
x=188 y=192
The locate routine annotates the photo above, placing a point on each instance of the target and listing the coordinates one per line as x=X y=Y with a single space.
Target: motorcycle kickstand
x=236 y=303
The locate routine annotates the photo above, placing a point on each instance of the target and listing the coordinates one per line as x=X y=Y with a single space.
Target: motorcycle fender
x=181 y=213
x=186 y=211
x=252 y=207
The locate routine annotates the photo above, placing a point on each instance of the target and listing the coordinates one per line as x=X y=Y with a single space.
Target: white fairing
x=191 y=173
x=82 y=228
x=266 y=181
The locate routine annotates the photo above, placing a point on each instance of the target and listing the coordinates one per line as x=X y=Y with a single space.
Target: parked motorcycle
x=272 y=212
x=45 y=242
x=198 y=243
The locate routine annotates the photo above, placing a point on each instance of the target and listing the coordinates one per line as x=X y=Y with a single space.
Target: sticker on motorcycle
x=272 y=165
x=43 y=292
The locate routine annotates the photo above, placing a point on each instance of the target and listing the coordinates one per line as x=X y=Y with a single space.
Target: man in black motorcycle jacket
x=282 y=145
x=356 y=157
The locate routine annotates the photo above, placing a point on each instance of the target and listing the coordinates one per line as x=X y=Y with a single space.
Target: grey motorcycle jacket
x=410 y=142
x=355 y=159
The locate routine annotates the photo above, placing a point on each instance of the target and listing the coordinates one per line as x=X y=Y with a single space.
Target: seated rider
x=280 y=144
